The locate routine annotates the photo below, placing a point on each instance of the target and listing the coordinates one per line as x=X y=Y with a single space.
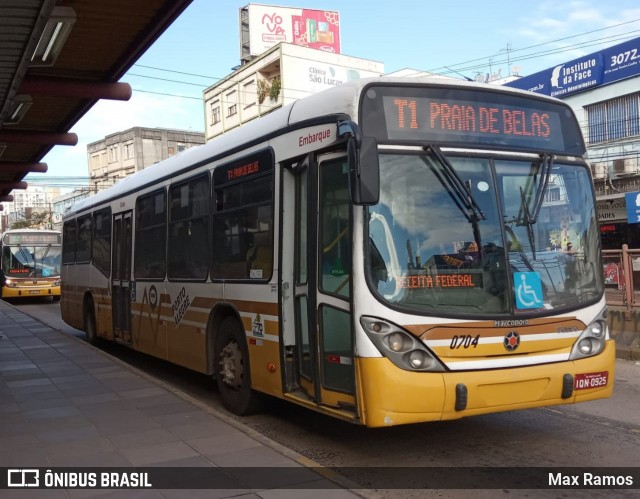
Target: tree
x=38 y=220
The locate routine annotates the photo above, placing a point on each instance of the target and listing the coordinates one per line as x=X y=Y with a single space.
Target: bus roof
x=339 y=100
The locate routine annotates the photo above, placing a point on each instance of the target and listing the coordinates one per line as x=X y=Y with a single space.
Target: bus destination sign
x=245 y=168
x=453 y=120
x=17 y=238
x=471 y=118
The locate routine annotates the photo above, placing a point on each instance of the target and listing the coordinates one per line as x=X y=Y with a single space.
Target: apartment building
x=124 y=153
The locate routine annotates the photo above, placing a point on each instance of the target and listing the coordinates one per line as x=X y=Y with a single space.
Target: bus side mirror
x=364 y=171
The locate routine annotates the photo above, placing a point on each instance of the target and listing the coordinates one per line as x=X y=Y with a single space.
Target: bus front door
x=121 y=277
x=322 y=290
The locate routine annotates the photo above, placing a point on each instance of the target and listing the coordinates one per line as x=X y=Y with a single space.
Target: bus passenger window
x=243 y=219
x=189 y=229
x=260 y=256
x=151 y=234
x=335 y=251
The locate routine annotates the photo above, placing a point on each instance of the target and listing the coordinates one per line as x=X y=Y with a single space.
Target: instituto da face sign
x=600 y=68
x=633 y=207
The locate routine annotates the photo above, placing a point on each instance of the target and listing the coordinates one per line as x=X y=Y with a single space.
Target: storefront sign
x=600 y=68
x=633 y=207
x=611 y=210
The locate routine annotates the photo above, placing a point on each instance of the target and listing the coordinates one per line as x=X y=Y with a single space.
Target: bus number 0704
x=464 y=341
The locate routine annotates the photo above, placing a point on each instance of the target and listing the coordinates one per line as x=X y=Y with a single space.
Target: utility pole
x=508 y=51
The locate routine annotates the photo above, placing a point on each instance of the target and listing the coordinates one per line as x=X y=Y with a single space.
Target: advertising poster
x=270 y=25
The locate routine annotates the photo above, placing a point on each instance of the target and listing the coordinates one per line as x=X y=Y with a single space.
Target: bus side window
x=335 y=250
x=188 y=256
x=243 y=219
x=260 y=256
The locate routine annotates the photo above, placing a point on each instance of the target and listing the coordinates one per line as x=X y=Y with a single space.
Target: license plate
x=585 y=381
x=34 y=292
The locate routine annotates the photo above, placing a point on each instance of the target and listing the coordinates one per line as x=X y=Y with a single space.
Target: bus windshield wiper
x=460 y=192
x=25 y=255
x=529 y=217
x=528 y=221
x=460 y=189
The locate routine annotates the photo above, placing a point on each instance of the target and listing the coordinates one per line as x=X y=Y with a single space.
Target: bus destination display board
x=244 y=169
x=31 y=238
x=469 y=118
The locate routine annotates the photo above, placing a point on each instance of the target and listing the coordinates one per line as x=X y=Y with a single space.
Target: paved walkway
x=66 y=404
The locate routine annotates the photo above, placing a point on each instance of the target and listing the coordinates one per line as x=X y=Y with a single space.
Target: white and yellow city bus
x=30 y=260
x=388 y=251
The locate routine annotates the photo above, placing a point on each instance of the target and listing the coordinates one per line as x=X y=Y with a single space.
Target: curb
x=250 y=432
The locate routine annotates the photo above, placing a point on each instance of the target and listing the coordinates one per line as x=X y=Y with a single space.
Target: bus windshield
x=31 y=261
x=455 y=236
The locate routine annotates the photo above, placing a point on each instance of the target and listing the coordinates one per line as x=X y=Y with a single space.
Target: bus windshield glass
x=31 y=261
x=456 y=236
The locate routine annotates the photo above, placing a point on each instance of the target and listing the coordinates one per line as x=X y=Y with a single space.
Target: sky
x=459 y=38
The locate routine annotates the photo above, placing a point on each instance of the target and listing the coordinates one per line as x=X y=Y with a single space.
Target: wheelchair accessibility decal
x=528 y=290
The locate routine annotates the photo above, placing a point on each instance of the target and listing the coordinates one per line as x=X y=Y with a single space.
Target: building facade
x=281 y=75
x=26 y=203
x=603 y=89
x=124 y=153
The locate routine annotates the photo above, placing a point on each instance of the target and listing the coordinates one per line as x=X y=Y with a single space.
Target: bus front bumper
x=8 y=292
x=391 y=396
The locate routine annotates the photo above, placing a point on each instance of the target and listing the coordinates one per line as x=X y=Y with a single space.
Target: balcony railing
x=622 y=278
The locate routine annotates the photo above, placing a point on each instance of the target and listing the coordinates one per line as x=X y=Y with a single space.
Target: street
x=603 y=433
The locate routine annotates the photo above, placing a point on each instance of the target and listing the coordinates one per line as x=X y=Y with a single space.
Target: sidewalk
x=626 y=332
x=64 y=403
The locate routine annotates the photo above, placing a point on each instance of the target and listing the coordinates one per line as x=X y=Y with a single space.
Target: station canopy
x=58 y=58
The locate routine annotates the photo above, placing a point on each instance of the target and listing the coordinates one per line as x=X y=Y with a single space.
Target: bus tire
x=231 y=367
x=90 y=323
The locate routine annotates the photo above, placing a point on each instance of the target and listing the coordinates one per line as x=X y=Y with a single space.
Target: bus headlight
x=588 y=345
x=399 y=346
x=10 y=284
x=396 y=342
x=55 y=283
x=592 y=340
x=419 y=360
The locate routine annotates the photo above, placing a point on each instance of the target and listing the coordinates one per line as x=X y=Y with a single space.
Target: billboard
x=263 y=26
x=600 y=68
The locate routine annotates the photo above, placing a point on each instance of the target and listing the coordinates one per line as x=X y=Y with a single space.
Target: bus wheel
x=90 y=323
x=231 y=364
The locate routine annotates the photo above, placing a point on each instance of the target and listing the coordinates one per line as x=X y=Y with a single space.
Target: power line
x=547 y=43
x=552 y=51
x=555 y=51
x=168 y=94
x=449 y=68
x=166 y=79
x=177 y=72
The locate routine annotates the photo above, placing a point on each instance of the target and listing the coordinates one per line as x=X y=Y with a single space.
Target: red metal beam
x=65 y=87
x=28 y=137
x=7 y=166
x=13 y=185
x=6 y=199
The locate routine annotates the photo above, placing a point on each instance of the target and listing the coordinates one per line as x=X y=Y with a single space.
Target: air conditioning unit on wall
x=626 y=166
x=599 y=170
